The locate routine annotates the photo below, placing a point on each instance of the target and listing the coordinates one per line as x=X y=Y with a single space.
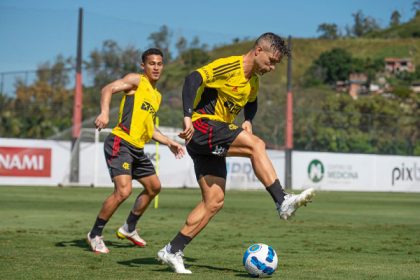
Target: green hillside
x=305 y=51
x=410 y=29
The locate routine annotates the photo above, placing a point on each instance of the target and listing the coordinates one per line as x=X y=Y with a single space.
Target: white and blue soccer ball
x=260 y=260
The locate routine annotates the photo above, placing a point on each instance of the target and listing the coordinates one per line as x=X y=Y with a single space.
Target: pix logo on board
x=405 y=173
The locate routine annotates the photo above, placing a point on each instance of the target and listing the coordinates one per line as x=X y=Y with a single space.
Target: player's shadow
x=224 y=269
x=152 y=261
x=144 y=261
x=81 y=243
x=244 y=275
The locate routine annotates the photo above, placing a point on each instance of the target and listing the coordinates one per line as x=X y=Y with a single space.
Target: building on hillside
x=341 y=86
x=415 y=87
x=396 y=65
x=357 y=84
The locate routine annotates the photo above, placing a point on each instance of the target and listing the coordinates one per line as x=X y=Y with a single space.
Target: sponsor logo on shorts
x=233 y=126
x=218 y=151
x=126 y=165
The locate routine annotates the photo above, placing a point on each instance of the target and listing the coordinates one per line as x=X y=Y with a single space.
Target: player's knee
x=215 y=206
x=259 y=146
x=123 y=194
x=155 y=190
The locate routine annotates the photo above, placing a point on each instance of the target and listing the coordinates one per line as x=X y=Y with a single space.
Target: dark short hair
x=275 y=42
x=150 y=51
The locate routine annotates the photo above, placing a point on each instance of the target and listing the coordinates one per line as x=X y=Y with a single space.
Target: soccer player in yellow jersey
x=123 y=147
x=213 y=96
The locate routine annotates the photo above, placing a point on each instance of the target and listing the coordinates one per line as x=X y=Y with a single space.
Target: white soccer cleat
x=134 y=237
x=293 y=201
x=175 y=261
x=97 y=244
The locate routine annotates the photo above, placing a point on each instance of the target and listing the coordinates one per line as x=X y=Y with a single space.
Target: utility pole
x=77 y=107
x=289 y=120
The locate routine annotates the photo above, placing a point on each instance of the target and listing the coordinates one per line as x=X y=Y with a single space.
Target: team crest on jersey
x=146 y=106
x=232 y=107
x=126 y=165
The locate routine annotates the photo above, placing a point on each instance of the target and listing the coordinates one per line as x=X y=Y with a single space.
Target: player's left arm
x=250 y=110
x=175 y=147
x=192 y=82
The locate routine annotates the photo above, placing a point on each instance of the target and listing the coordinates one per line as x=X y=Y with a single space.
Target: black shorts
x=209 y=145
x=124 y=158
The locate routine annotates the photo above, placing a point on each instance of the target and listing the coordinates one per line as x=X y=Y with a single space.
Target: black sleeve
x=191 y=84
x=250 y=110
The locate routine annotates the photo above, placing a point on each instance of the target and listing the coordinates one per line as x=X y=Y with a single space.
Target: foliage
x=370 y=67
x=42 y=108
x=367 y=125
x=11 y=124
x=408 y=29
x=362 y=25
x=416 y=6
x=105 y=65
x=332 y=66
x=112 y=62
x=162 y=40
x=395 y=19
x=328 y=31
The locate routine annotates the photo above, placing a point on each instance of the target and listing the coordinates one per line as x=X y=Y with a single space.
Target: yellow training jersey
x=137 y=113
x=224 y=91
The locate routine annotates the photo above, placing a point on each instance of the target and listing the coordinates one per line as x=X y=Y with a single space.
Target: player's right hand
x=188 y=131
x=101 y=121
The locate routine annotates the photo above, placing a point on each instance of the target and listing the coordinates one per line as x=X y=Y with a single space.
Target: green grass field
x=341 y=235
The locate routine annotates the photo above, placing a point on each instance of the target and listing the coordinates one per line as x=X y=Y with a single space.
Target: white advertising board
x=173 y=172
x=33 y=162
x=355 y=172
x=47 y=163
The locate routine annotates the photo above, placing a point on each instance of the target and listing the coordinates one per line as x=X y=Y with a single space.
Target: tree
x=363 y=25
x=162 y=40
x=181 y=44
x=112 y=62
x=334 y=65
x=395 y=19
x=10 y=119
x=105 y=65
x=416 y=7
x=328 y=31
x=43 y=107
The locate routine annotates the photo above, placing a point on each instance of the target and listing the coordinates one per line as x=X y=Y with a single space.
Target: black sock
x=179 y=243
x=276 y=191
x=132 y=221
x=97 y=227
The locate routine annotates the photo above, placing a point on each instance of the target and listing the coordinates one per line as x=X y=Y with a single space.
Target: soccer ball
x=260 y=260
